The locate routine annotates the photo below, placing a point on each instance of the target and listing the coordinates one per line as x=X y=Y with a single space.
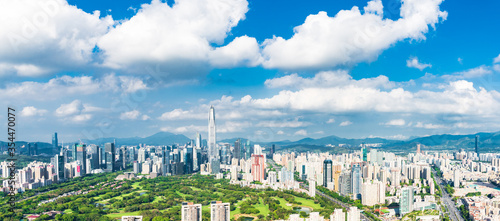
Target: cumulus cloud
x=396 y=122
x=301 y=133
x=179 y=38
x=179 y=114
x=76 y=111
x=130 y=115
x=294 y=123
x=460 y=97
x=471 y=73
x=30 y=111
x=429 y=125
x=413 y=62
x=330 y=121
x=350 y=37
x=345 y=123
x=496 y=59
x=327 y=79
x=68 y=86
x=43 y=36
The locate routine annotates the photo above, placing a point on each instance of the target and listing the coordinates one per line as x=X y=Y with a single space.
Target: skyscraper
x=198 y=140
x=212 y=149
x=356 y=181
x=220 y=211
x=81 y=155
x=258 y=167
x=364 y=152
x=418 y=148
x=55 y=143
x=327 y=172
x=406 y=200
x=477 y=147
x=191 y=212
x=109 y=149
x=272 y=151
x=353 y=214
x=237 y=149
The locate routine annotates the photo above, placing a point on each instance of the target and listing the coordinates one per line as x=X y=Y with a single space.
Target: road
x=304 y=186
x=447 y=201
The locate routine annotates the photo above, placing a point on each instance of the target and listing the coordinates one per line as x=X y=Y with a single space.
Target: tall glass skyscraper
x=213 y=153
x=356 y=181
x=327 y=172
x=212 y=149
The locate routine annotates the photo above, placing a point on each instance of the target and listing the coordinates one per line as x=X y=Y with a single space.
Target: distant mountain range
x=160 y=138
x=487 y=142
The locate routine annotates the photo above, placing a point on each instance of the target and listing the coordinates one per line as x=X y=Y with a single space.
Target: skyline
x=315 y=78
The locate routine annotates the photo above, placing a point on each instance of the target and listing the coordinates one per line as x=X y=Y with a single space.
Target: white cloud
x=429 y=125
x=350 y=37
x=43 y=36
x=471 y=73
x=81 y=118
x=459 y=97
x=69 y=86
x=345 y=123
x=242 y=51
x=330 y=121
x=179 y=38
x=130 y=115
x=294 y=123
x=396 y=122
x=280 y=132
x=30 y=111
x=327 y=79
x=301 y=133
x=460 y=60
x=496 y=59
x=145 y=117
x=76 y=111
x=413 y=62
x=75 y=107
x=179 y=114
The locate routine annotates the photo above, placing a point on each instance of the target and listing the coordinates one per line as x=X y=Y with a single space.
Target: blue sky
x=274 y=70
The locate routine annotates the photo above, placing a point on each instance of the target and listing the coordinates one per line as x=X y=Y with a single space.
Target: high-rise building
x=353 y=214
x=191 y=212
x=272 y=151
x=258 y=167
x=212 y=139
x=456 y=178
x=198 y=140
x=312 y=188
x=124 y=158
x=81 y=155
x=418 y=148
x=188 y=160
x=477 y=144
x=55 y=143
x=220 y=211
x=345 y=183
x=372 y=193
x=406 y=200
x=237 y=149
x=109 y=149
x=338 y=215
x=356 y=181
x=364 y=153
x=327 y=172
x=58 y=163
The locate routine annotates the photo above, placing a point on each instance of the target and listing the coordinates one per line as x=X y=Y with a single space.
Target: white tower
x=212 y=149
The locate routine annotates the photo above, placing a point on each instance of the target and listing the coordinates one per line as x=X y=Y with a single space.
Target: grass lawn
x=308 y=203
x=119 y=215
